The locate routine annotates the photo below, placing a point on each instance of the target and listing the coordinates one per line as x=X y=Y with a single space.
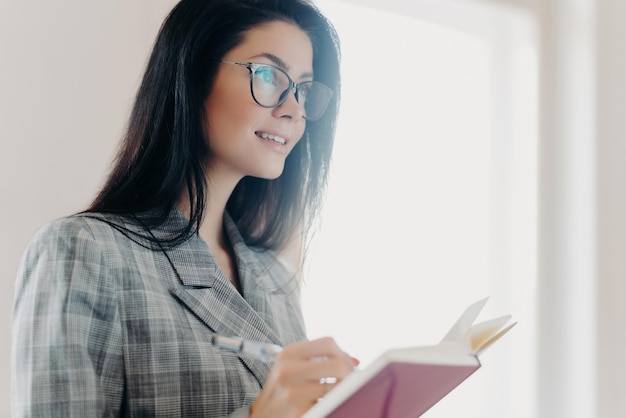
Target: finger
x=319 y=349
x=312 y=392
x=293 y=372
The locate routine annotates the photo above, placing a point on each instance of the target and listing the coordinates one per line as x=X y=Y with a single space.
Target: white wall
x=566 y=220
x=610 y=201
x=69 y=70
x=583 y=204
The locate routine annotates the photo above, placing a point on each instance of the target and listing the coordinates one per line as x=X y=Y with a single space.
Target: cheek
x=229 y=102
x=225 y=119
x=300 y=131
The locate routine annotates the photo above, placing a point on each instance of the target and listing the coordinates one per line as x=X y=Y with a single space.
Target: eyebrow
x=280 y=63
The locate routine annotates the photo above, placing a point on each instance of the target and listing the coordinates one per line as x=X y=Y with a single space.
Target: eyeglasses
x=271 y=85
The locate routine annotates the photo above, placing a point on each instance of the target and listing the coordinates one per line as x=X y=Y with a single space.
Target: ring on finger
x=328 y=380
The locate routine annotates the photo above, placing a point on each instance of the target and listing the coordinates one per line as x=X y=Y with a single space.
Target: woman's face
x=246 y=139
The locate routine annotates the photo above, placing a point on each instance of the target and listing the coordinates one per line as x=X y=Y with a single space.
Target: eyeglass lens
x=270 y=87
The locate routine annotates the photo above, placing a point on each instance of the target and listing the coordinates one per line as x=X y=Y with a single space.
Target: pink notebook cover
x=403 y=390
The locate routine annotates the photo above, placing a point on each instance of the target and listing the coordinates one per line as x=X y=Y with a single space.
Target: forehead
x=281 y=39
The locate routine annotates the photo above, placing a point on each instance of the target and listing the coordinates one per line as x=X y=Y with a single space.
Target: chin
x=269 y=174
x=273 y=176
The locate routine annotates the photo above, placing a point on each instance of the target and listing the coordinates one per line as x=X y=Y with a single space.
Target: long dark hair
x=164 y=151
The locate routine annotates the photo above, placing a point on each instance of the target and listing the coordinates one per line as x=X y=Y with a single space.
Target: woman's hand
x=295 y=381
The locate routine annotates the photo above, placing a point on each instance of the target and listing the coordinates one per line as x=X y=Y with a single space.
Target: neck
x=219 y=190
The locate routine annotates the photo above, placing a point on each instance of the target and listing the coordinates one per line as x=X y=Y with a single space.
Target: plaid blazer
x=102 y=325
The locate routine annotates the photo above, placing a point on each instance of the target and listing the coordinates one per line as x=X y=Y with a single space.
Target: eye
x=266 y=75
x=305 y=89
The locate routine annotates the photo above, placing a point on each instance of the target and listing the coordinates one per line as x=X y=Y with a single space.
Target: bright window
x=432 y=199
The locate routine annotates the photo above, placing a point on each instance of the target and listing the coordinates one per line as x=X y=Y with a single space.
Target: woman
x=218 y=178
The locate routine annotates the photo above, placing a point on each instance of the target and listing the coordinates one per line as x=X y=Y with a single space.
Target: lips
x=271 y=137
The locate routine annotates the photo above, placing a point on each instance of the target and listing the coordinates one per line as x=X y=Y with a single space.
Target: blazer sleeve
x=67 y=337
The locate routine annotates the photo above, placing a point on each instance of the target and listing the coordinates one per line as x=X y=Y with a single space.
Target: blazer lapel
x=208 y=293
x=225 y=311
x=232 y=318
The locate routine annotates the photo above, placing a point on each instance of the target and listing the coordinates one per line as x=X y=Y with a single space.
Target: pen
x=259 y=350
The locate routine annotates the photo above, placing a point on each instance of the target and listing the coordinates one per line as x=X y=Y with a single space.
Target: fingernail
x=355 y=361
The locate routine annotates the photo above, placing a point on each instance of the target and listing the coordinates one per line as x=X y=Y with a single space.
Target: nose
x=290 y=108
